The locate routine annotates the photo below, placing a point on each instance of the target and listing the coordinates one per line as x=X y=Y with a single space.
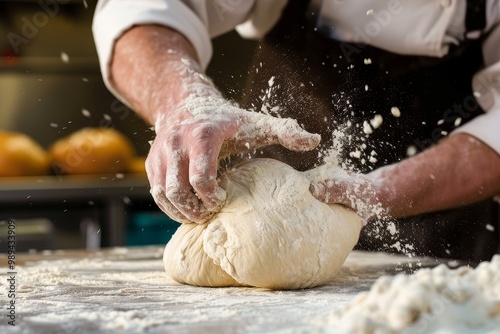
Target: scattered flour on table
x=127 y=291
x=439 y=300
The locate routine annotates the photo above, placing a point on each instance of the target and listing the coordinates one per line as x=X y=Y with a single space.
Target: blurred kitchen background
x=50 y=87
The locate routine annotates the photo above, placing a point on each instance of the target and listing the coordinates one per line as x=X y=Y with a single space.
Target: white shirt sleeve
x=486 y=87
x=200 y=20
x=197 y=20
x=264 y=16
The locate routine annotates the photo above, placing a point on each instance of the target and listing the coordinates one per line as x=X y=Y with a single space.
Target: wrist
x=382 y=181
x=155 y=69
x=191 y=108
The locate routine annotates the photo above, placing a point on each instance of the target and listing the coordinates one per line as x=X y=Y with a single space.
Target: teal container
x=150 y=228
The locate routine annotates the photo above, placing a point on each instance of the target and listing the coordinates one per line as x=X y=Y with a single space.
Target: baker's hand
x=356 y=191
x=158 y=72
x=183 y=160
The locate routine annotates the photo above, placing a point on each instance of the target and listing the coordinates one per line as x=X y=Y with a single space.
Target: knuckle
x=161 y=199
x=203 y=131
x=158 y=193
x=201 y=181
x=174 y=193
x=173 y=140
x=318 y=189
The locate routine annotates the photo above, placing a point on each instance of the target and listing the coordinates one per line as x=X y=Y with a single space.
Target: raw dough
x=271 y=233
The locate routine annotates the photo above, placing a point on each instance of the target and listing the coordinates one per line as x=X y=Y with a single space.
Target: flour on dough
x=271 y=233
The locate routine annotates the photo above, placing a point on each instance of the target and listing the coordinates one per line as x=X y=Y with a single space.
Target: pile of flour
x=439 y=300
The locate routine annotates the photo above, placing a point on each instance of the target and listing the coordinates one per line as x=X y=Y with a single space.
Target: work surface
x=125 y=290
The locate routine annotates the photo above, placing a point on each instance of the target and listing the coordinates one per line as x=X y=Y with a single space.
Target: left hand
x=356 y=191
x=458 y=171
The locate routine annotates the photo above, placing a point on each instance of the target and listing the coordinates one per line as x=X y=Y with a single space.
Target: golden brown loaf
x=21 y=156
x=92 y=151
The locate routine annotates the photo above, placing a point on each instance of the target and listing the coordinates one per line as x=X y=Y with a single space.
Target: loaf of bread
x=20 y=155
x=138 y=165
x=92 y=151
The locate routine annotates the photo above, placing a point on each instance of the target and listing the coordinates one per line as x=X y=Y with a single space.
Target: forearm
x=155 y=69
x=459 y=171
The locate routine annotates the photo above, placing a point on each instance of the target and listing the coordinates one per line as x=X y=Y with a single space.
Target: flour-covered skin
x=423 y=182
x=182 y=164
x=195 y=125
x=331 y=184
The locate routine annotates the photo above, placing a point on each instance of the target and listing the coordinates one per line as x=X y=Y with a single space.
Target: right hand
x=183 y=160
x=157 y=71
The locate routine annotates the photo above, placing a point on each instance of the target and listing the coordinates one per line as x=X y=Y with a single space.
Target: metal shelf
x=110 y=198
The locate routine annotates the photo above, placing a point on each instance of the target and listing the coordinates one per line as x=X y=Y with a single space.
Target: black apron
x=321 y=83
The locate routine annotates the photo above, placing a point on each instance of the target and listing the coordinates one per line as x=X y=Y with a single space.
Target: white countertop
x=125 y=290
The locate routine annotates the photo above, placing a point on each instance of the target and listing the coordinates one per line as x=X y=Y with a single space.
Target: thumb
x=329 y=192
x=291 y=135
x=284 y=131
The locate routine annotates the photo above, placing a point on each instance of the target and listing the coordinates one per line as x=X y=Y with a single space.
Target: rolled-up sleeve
x=486 y=86
x=198 y=21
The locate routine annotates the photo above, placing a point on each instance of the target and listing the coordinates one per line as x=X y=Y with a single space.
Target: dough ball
x=21 y=156
x=93 y=151
x=186 y=261
x=271 y=233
